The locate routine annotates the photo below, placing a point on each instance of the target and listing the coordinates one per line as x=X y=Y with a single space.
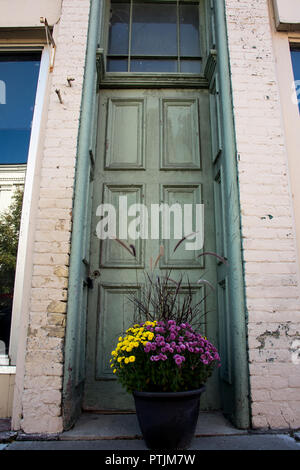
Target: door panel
x=125 y=134
x=113 y=255
x=153 y=147
x=180 y=134
x=182 y=258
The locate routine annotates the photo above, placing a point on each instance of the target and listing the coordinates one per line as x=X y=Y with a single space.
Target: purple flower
x=163 y=357
x=178 y=359
x=154 y=358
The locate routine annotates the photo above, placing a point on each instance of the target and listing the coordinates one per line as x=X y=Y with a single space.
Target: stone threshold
x=97 y=426
x=93 y=426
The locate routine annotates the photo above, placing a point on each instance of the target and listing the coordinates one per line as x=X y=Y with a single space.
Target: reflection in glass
x=296 y=67
x=9 y=238
x=154 y=29
x=117 y=65
x=189 y=30
x=153 y=65
x=142 y=33
x=19 y=74
x=190 y=66
x=119 y=28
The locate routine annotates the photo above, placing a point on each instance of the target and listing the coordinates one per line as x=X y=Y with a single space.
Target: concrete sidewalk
x=95 y=431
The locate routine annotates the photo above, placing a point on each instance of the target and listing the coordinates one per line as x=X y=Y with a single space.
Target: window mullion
x=129 y=35
x=178 y=37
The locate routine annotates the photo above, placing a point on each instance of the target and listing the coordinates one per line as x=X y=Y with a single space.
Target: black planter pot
x=168 y=419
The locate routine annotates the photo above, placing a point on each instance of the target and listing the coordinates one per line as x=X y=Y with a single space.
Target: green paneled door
x=153 y=146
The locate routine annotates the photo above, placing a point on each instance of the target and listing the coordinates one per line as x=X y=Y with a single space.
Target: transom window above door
x=154 y=37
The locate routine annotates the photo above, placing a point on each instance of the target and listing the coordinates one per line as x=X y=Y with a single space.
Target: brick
x=57 y=307
x=269 y=249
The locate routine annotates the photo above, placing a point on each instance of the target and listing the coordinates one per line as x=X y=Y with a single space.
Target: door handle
x=89 y=282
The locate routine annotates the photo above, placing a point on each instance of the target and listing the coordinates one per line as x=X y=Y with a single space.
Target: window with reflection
x=295 y=53
x=18 y=83
x=19 y=74
x=154 y=37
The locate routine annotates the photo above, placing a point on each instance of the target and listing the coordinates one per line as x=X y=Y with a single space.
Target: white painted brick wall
x=271 y=277
x=45 y=342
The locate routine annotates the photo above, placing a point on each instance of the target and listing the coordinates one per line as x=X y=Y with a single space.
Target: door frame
x=236 y=398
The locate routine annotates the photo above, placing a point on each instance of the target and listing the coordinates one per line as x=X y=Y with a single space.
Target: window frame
x=103 y=43
x=282 y=42
x=295 y=46
x=19 y=52
x=23 y=270
x=154 y=79
x=177 y=58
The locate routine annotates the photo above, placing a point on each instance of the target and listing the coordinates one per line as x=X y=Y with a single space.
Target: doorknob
x=95 y=274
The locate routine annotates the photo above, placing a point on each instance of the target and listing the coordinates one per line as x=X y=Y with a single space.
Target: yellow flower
x=114 y=371
x=131 y=358
x=126 y=360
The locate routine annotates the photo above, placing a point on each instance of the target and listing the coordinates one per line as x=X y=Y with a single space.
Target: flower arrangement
x=163 y=359
x=163 y=356
x=164 y=350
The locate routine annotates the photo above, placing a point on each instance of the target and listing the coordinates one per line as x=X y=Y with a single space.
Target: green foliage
x=162 y=298
x=9 y=239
